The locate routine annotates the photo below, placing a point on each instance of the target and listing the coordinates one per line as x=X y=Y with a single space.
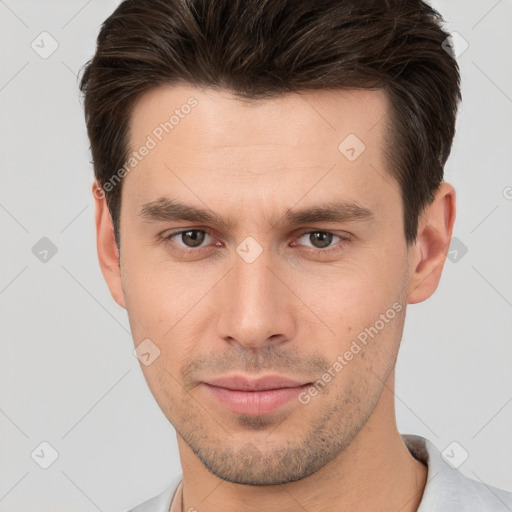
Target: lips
x=241 y=383
x=254 y=397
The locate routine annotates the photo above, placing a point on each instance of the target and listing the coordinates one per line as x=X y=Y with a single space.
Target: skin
x=291 y=312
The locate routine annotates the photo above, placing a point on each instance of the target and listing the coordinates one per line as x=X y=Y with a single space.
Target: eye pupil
x=196 y=237
x=325 y=239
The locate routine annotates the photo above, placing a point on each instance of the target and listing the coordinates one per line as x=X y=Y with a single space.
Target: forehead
x=207 y=143
x=215 y=121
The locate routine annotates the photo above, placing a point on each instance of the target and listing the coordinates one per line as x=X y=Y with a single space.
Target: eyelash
x=168 y=240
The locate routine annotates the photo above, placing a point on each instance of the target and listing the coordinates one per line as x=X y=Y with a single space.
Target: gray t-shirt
x=447 y=489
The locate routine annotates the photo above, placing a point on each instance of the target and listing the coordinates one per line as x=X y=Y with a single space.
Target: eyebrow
x=169 y=210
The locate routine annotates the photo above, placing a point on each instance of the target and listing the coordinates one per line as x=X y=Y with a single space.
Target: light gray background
x=67 y=372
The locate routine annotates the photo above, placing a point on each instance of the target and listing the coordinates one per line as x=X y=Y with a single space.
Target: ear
x=428 y=254
x=108 y=253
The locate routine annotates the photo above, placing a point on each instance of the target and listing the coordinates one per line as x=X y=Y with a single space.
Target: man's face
x=265 y=293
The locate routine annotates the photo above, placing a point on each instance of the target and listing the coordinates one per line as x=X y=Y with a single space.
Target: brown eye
x=187 y=239
x=319 y=239
x=192 y=237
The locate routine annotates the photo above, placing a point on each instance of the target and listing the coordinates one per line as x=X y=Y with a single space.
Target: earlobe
x=428 y=255
x=108 y=253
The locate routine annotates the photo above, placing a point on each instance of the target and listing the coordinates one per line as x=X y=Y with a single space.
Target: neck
x=375 y=472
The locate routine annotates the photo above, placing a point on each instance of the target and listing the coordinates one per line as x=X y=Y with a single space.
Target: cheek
x=157 y=293
x=163 y=381
x=359 y=309
x=353 y=295
x=166 y=305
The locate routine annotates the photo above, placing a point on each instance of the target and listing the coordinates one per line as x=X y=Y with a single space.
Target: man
x=269 y=198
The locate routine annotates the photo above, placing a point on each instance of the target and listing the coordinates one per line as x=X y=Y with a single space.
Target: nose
x=256 y=308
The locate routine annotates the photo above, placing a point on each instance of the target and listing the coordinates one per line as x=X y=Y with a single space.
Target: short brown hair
x=264 y=48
